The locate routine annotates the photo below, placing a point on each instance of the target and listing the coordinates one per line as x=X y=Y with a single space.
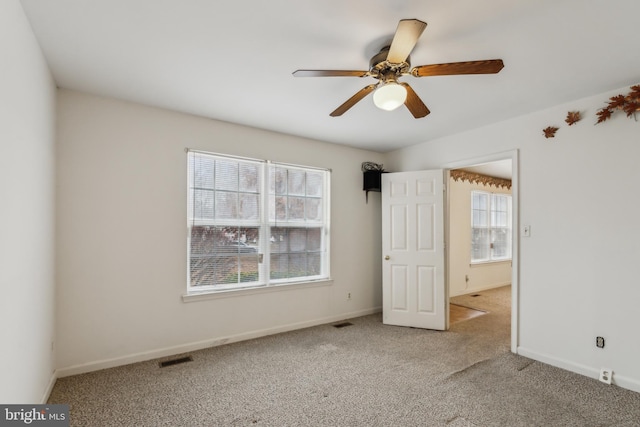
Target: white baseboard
x=49 y=389
x=199 y=345
x=588 y=371
x=480 y=289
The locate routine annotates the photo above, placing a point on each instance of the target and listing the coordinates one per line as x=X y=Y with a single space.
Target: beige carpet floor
x=365 y=374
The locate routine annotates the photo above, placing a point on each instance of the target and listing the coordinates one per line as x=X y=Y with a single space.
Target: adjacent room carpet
x=364 y=374
x=459 y=313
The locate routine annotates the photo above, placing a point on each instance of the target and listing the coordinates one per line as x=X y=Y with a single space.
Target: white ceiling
x=232 y=60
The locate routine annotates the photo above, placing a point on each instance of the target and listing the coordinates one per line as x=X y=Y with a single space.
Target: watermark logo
x=34 y=415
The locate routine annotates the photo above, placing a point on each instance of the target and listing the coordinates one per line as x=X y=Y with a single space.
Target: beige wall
x=121 y=247
x=481 y=276
x=27 y=119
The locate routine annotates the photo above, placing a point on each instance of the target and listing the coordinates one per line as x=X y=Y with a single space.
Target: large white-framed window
x=254 y=223
x=491 y=227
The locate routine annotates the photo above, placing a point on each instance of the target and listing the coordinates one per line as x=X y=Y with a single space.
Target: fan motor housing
x=381 y=68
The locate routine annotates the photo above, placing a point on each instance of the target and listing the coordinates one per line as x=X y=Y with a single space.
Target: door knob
x=387 y=258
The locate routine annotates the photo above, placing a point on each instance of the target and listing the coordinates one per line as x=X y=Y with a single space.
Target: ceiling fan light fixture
x=389 y=96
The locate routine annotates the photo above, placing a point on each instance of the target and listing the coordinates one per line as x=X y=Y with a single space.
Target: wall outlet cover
x=605 y=375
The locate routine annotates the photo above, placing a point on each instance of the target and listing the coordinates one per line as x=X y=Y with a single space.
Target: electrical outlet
x=605 y=375
x=600 y=342
x=349 y=295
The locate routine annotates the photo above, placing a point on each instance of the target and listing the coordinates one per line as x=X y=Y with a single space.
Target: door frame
x=515 y=234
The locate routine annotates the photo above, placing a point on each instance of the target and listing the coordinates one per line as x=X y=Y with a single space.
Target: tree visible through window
x=255 y=223
x=490 y=227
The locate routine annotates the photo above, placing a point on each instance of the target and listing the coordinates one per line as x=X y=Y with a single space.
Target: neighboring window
x=255 y=223
x=490 y=227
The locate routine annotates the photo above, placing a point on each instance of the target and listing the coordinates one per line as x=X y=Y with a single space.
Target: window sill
x=227 y=293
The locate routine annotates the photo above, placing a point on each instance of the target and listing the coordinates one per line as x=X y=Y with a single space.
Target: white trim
x=512 y=155
x=446 y=176
x=489 y=262
x=252 y=159
x=49 y=389
x=206 y=295
x=199 y=345
x=467 y=291
x=229 y=156
x=587 y=371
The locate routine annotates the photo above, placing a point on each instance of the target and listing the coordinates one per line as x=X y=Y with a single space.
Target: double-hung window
x=490 y=227
x=254 y=223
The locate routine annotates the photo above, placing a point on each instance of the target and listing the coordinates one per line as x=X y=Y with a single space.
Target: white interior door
x=413 y=266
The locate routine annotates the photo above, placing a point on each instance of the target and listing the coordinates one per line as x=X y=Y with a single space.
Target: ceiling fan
x=391 y=63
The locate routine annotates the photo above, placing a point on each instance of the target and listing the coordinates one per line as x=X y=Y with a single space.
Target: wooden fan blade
x=414 y=103
x=489 y=66
x=330 y=73
x=353 y=100
x=405 y=39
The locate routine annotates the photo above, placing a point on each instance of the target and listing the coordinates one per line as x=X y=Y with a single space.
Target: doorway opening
x=479 y=283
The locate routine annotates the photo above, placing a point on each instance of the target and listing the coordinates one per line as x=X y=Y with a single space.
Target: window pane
x=279 y=208
x=207 y=267
x=314 y=209
x=501 y=238
x=314 y=264
x=295 y=207
x=297 y=239
x=203 y=172
x=249 y=177
x=279 y=240
x=223 y=255
x=475 y=218
x=314 y=239
x=249 y=268
x=226 y=175
x=249 y=206
x=479 y=244
x=482 y=218
x=226 y=206
x=502 y=203
x=295 y=252
x=479 y=209
x=490 y=240
x=499 y=210
x=314 y=184
x=202 y=269
x=297 y=265
x=278 y=180
x=477 y=222
x=479 y=200
x=203 y=204
x=296 y=182
x=279 y=266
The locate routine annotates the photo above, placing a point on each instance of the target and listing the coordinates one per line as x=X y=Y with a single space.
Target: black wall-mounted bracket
x=371 y=178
